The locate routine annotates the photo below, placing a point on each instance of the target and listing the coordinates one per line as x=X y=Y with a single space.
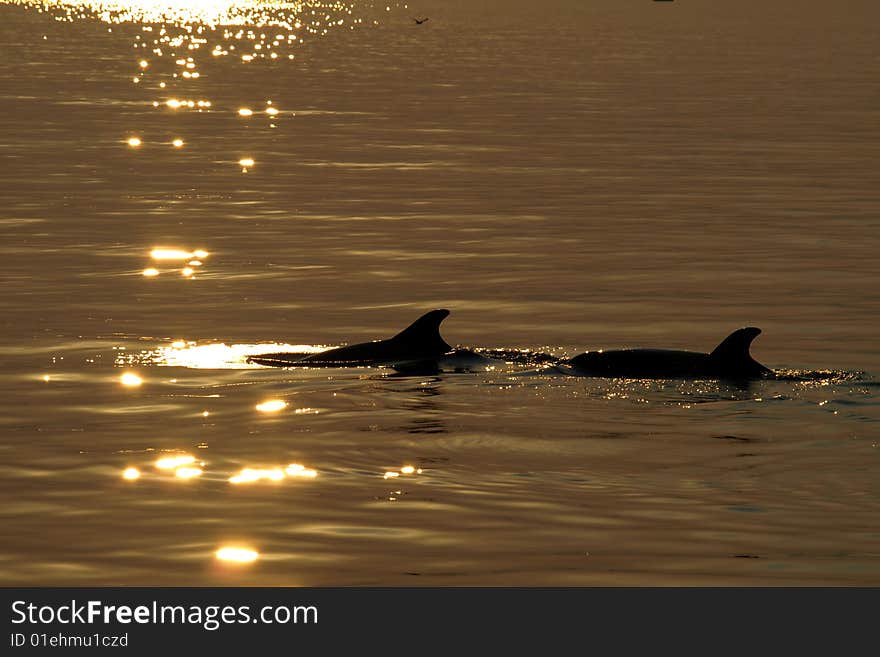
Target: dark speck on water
x=183 y=190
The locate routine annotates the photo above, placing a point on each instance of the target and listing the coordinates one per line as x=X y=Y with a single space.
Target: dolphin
x=418 y=346
x=730 y=360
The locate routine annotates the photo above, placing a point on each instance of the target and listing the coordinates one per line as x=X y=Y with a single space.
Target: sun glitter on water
x=235 y=554
x=271 y=406
x=314 y=17
x=130 y=380
x=173 y=39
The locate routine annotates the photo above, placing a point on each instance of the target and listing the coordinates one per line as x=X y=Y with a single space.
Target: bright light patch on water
x=130 y=474
x=134 y=142
x=130 y=380
x=181 y=353
x=187 y=472
x=174 y=462
x=407 y=470
x=262 y=13
x=175 y=103
x=149 y=272
x=251 y=475
x=162 y=253
x=237 y=554
x=271 y=406
x=299 y=470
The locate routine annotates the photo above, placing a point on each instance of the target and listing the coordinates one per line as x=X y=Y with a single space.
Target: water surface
x=561 y=175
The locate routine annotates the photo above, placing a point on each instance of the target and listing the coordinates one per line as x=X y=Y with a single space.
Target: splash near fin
x=425 y=332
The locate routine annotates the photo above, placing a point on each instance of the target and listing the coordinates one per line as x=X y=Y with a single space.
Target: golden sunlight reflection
x=183 y=353
x=406 y=470
x=175 y=462
x=130 y=474
x=298 y=470
x=244 y=111
x=263 y=30
x=134 y=142
x=251 y=475
x=130 y=380
x=175 y=103
x=161 y=253
x=177 y=143
x=46 y=378
x=237 y=554
x=149 y=272
x=273 y=474
x=271 y=406
x=183 y=12
x=187 y=472
x=246 y=163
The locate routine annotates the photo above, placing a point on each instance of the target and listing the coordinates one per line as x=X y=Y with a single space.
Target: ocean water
x=562 y=176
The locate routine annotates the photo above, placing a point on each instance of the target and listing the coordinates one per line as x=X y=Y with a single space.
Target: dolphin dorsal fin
x=425 y=331
x=735 y=347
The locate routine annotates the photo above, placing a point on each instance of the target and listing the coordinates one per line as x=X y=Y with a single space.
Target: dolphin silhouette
x=730 y=360
x=418 y=343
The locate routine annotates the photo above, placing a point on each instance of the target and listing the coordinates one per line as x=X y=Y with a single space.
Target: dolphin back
x=418 y=343
x=730 y=360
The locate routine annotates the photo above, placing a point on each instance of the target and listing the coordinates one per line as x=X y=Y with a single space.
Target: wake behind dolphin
x=729 y=360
